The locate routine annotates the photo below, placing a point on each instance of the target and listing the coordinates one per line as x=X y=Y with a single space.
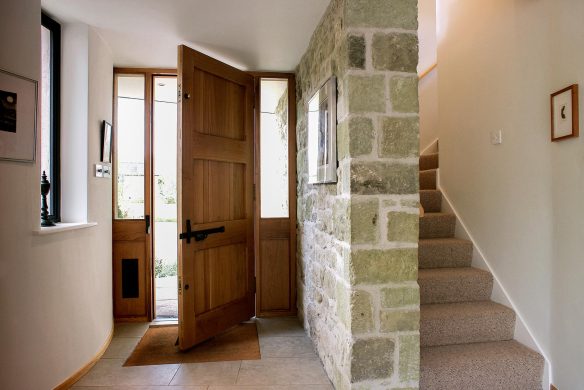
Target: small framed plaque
x=565 y=114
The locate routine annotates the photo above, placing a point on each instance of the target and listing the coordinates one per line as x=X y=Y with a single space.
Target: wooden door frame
x=149 y=74
x=291 y=78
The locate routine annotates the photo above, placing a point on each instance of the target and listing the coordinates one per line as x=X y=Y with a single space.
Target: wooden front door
x=215 y=197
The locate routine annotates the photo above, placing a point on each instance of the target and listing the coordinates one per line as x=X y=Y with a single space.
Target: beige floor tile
x=218 y=373
x=121 y=347
x=109 y=372
x=292 y=387
x=286 y=347
x=279 y=327
x=140 y=388
x=275 y=371
x=130 y=329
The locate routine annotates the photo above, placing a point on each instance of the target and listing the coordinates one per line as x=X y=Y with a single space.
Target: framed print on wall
x=18 y=117
x=565 y=113
x=322 y=134
x=106 y=142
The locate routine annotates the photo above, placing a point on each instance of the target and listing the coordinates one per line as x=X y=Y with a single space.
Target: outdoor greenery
x=162 y=270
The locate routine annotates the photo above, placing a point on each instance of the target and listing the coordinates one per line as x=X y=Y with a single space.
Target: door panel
x=276 y=178
x=216 y=174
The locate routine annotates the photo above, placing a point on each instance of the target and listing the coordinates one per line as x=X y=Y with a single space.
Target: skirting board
x=85 y=369
x=522 y=332
x=432 y=148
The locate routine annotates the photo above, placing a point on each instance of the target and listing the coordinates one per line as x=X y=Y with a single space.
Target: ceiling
x=267 y=35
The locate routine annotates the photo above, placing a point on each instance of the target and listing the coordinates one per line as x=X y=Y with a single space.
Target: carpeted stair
x=466 y=339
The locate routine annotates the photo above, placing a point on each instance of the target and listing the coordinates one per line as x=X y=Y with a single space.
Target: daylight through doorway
x=164 y=188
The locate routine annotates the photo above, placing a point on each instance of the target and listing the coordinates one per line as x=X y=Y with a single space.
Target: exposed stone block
x=383 y=266
x=399 y=321
x=361 y=312
x=356 y=51
x=400 y=296
x=373 y=178
x=395 y=51
x=409 y=358
x=366 y=93
x=361 y=135
x=403 y=92
x=372 y=359
x=403 y=227
x=364 y=221
x=382 y=13
x=399 y=137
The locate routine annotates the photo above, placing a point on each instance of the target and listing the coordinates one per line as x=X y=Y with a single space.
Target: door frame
x=292 y=202
x=149 y=74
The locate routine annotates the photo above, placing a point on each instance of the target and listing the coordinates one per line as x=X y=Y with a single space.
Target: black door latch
x=199 y=235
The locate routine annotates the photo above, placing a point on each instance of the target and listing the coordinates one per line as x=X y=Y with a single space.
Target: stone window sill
x=64 y=227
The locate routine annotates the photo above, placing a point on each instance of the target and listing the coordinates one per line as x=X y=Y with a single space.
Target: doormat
x=157 y=347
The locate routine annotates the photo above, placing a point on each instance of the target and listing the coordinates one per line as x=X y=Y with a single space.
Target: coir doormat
x=157 y=347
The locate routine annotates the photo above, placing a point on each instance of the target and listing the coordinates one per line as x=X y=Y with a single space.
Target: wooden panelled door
x=215 y=197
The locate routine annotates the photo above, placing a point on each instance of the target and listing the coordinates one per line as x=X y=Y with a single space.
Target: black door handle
x=199 y=235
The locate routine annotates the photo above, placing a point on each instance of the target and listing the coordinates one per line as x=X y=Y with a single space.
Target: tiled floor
x=288 y=363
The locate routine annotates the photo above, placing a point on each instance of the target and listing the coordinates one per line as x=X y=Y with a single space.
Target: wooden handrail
x=427 y=71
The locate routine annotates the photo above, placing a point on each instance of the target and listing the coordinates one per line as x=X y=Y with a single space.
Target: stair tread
x=428 y=179
x=431 y=200
x=464 y=284
x=437 y=225
x=465 y=322
x=463 y=310
x=451 y=273
x=449 y=252
x=429 y=161
x=477 y=366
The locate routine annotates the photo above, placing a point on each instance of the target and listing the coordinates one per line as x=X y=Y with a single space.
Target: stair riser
x=456 y=289
x=457 y=367
x=444 y=255
x=494 y=327
x=431 y=201
x=428 y=180
x=429 y=161
x=441 y=226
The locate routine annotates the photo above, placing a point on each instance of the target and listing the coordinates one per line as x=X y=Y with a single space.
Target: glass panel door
x=129 y=196
x=165 y=211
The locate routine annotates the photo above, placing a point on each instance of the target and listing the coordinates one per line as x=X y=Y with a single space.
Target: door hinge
x=254 y=284
x=179 y=93
x=179 y=279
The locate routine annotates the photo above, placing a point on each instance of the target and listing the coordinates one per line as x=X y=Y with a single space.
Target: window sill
x=63 y=227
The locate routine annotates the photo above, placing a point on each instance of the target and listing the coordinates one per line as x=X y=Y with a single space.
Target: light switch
x=496 y=137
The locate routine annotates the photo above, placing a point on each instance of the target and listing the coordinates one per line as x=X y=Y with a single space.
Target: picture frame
x=565 y=113
x=18 y=117
x=106 y=142
x=322 y=134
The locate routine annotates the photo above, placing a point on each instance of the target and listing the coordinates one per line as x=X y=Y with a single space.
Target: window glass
x=46 y=107
x=130 y=147
x=274 y=148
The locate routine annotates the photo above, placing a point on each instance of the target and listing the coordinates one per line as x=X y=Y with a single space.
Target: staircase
x=466 y=339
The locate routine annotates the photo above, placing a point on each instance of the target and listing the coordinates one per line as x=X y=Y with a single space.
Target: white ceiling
x=268 y=35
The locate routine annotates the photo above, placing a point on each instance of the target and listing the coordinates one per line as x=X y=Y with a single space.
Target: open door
x=215 y=196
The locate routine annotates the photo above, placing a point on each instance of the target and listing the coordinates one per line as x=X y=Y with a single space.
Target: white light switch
x=496 y=137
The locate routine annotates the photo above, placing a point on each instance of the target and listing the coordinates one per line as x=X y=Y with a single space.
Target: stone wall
x=357 y=239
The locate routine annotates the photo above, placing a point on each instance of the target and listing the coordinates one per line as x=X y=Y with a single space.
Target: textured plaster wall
x=357 y=239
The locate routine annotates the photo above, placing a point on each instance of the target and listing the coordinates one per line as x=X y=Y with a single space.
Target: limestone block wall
x=357 y=239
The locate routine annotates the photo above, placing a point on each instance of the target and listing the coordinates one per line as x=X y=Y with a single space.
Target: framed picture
x=18 y=117
x=106 y=142
x=322 y=134
x=565 y=114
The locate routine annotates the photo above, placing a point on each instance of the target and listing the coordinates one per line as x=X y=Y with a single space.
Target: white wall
x=428 y=86
x=55 y=290
x=522 y=200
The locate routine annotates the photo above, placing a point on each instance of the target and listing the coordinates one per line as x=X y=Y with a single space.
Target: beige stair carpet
x=466 y=339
